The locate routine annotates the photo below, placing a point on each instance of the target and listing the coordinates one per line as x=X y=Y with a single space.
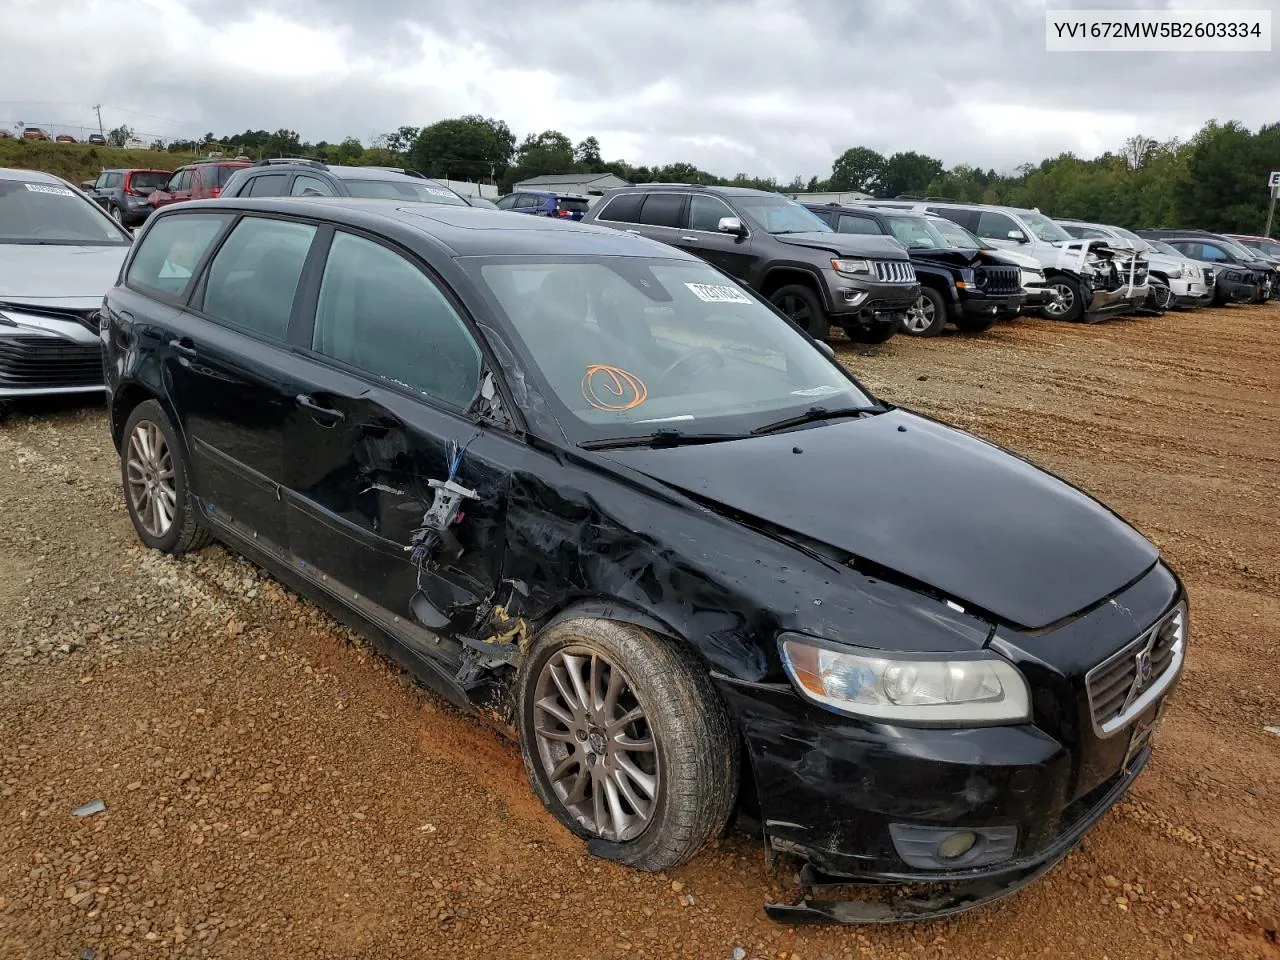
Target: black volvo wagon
x=589 y=485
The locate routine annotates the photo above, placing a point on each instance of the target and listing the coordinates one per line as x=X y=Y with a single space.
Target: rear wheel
x=116 y=215
x=927 y=317
x=154 y=472
x=1066 y=299
x=626 y=741
x=804 y=309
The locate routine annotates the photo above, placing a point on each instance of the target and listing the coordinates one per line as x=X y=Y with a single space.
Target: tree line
x=1215 y=180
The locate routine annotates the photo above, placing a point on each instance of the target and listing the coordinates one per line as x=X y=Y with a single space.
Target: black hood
x=955 y=257
x=928 y=501
x=847 y=244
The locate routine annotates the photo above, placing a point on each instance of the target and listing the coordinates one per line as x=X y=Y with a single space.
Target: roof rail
x=908 y=196
x=303 y=161
x=943 y=199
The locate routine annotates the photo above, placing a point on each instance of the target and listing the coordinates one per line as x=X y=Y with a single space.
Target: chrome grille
x=895 y=271
x=1123 y=686
x=35 y=362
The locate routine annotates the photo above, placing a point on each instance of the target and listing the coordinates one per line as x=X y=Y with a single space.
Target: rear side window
x=254 y=276
x=113 y=180
x=850 y=224
x=171 y=250
x=525 y=200
x=662 y=209
x=623 y=209
x=381 y=314
x=966 y=218
x=267 y=185
x=305 y=186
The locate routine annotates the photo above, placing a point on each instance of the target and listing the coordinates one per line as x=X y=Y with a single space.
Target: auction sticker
x=49 y=188
x=717 y=293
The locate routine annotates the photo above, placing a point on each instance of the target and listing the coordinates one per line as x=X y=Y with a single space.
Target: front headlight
x=851 y=268
x=977 y=690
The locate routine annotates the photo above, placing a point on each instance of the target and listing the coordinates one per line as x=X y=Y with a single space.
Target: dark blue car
x=544 y=203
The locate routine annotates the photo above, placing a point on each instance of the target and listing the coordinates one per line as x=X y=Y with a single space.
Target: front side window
x=995 y=226
x=706 y=212
x=47 y=214
x=414 y=191
x=1209 y=252
x=181 y=181
x=170 y=251
x=779 y=215
x=526 y=200
x=630 y=345
x=852 y=224
x=956 y=235
x=305 y=186
x=381 y=314
x=507 y=202
x=254 y=276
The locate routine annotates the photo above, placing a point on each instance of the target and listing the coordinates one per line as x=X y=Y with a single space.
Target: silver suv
x=1089 y=280
x=1183 y=276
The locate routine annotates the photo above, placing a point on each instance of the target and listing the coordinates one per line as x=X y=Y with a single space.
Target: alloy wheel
x=595 y=744
x=920 y=315
x=150 y=480
x=795 y=308
x=116 y=215
x=1063 y=299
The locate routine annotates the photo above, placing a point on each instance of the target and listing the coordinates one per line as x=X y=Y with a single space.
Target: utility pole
x=97 y=107
x=1274 y=183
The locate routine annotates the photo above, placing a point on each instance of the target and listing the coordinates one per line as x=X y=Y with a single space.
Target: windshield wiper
x=661 y=438
x=813 y=415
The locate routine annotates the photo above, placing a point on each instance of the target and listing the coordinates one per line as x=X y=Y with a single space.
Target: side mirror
x=731 y=225
x=1018 y=235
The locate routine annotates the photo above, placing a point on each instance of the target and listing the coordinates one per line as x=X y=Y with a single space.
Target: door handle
x=184 y=348
x=318 y=411
x=689 y=239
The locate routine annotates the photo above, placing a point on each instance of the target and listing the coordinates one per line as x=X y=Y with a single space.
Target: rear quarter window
x=166 y=259
x=622 y=209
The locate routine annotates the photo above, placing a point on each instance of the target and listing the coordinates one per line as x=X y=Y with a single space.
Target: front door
x=226 y=368
x=389 y=371
x=700 y=235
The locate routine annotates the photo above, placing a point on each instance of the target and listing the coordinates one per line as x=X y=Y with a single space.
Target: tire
x=804 y=308
x=168 y=472
x=927 y=317
x=975 y=324
x=692 y=768
x=1071 y=307
x=117 y=215
x=878 y=331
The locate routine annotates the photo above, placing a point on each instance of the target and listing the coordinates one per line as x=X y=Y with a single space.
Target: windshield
x=1237 y=251
x=916 y=233
x=1044 y=228
x=413 y=190
x=628 y=346
x=780 y=215
x=957 y=236
x=1161 y=247
x=1268 y=247
x=48 y=213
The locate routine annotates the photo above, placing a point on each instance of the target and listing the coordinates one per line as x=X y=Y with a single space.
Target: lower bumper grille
x=49 y=362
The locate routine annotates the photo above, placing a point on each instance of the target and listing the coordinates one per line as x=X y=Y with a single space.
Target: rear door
x=662 y=217
x=389 y=370
x=227 y=370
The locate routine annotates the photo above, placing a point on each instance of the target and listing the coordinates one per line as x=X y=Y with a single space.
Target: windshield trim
x=493 y=320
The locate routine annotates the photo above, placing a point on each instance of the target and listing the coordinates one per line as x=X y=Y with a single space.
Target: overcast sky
x=774 y=87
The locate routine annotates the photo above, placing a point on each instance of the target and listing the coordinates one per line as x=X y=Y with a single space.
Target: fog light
x=957 y=845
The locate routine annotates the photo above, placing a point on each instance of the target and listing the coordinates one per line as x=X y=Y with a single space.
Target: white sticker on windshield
x=717 y=293
x=49 y=188
x=825 y=390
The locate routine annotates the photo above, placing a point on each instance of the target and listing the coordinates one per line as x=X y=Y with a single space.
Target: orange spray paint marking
x=612 y=389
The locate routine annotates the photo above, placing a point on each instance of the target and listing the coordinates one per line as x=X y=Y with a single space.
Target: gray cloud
x=775 y=87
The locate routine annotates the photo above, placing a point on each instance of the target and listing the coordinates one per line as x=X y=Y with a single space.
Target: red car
x=34 y=133
x=201 y=180
x=65 y=138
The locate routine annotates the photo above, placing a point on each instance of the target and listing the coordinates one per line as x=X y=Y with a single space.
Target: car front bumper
x=1187 y=293
x=43 y=356
x=984 y=305
x=850 y=300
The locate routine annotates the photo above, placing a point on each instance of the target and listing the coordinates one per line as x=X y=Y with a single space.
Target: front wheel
x=626 y=741
x=1066 y=300
x=803 y=307
x=927 y=316
x=155 y=475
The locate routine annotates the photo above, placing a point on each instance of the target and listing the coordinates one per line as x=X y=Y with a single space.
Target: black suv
x=1242 y=277
x=552 y=470
x=971 y=288
x=772 y=244
x=294 y=177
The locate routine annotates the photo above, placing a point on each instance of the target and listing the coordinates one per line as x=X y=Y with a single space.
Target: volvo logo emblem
x=1144 y=668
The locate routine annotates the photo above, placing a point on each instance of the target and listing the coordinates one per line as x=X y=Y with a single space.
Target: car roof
x=692 y=187
x=456 y=231
x=30 y=176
